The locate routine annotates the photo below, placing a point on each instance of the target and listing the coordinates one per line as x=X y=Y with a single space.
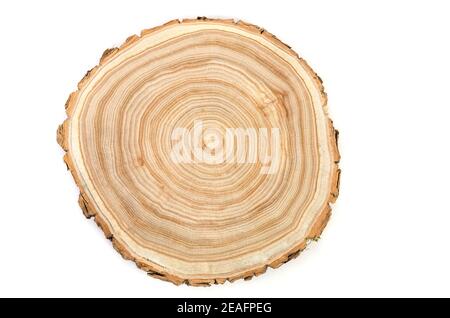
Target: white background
x=386 y=69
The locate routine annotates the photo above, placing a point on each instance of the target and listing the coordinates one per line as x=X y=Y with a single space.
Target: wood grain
x=200 y=223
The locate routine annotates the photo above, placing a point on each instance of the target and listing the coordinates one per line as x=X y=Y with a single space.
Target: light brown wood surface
x=201 y=223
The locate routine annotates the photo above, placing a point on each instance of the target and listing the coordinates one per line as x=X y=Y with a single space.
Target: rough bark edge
x=155 y=270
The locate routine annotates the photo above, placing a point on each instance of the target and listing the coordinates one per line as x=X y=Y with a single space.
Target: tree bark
x=208 y=219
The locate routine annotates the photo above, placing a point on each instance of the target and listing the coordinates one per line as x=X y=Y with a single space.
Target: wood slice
x=167 y=197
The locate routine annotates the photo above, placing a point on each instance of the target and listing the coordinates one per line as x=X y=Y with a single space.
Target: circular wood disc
x=146 y=135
